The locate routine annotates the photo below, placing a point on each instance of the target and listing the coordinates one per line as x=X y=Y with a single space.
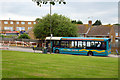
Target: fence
x=19 y=42
x=116 y=45
x=31 y=43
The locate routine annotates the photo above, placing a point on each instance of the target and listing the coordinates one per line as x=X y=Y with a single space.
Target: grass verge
x=17 y=64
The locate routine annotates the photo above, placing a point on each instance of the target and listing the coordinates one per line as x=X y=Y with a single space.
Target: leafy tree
x=117 y=24
x=24 y=36
x=76 y=22
x=2 y=36
x=53 y=2
x=73 y=21
x=79 y=22
x=61 y=26
x=97 y=22
x=38 y=20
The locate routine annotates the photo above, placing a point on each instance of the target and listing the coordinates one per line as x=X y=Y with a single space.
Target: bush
x=2 y=36
x=24 y=36
x=10 y=36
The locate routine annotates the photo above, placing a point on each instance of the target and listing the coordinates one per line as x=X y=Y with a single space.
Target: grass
x=34 y=65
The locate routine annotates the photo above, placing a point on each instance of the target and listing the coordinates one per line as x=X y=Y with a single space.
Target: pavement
x=23 y=49
x=112 y=55
x=38 y=51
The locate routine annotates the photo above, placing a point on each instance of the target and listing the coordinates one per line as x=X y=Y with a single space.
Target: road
x=31 y=50
x=23 y=49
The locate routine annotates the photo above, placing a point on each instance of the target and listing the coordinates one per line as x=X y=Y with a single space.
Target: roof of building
x=82 y=29
x=19 y=20
x=115 y=28
x=102 y=30
x=77 y=38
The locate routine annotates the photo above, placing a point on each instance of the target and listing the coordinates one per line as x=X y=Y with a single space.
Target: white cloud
x=65 y=0
x=92 y=0
x=21 y=10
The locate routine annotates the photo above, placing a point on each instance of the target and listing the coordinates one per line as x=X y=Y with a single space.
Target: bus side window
x=103 y=46
x=109 y=44
x=99 y=44
x=76 y=46
x=88 y=44
x=92 y=44
x=79 y=44
x=84 y=44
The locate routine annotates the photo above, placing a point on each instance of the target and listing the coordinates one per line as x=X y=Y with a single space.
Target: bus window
x=84 y=44
x=98 y=45
x=79 y=44
x=92 y=45
x=76 y=46
x=109 y=44
x=63 y=44
x=73 y=44
x=70 y=44
x=88 y=44
x=56 y=43
x=103 y=46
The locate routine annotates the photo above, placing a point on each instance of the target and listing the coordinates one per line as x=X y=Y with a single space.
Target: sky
x=84 y=10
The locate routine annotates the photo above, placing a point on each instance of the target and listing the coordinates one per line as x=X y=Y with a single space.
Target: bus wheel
x=90 y=53
x=56 y=51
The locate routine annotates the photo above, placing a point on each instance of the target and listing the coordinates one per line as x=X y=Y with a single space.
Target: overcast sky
x=104 y=10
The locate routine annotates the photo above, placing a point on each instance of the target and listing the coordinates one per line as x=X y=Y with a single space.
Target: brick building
x=15 y=25
x=102 y=31
x=83 y=29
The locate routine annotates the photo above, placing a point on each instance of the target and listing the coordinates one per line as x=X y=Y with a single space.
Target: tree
x=61 y=27
x=24 y=36
x=38 y=20
x=117 y=24
x=39 y=2
x=2 y=36
x=76 y=22
x=97 y=22
x=73 y=21
x=79 y=22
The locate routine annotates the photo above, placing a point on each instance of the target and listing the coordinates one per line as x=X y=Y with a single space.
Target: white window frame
x=20 y=28
x=29 y=28
x=22 y=22
x=34 y=22
x=29 y=22
x=11 y=22
x=17 y=22
x=5 y=22
x=8 y=28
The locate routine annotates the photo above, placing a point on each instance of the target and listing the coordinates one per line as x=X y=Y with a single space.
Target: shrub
x=24 y=36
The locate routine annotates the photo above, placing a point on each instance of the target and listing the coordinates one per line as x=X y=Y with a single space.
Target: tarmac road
x=37 y=51
x=23 y=49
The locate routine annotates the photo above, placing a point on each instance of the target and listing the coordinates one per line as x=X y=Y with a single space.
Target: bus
x=79 y=45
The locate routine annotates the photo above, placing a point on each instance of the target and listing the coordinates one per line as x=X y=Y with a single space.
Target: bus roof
x=78 y=38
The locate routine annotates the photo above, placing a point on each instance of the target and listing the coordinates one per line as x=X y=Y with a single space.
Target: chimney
x=90 y=22
x=90 y=25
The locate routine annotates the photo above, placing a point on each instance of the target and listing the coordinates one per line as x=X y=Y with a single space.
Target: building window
x=5 y=22
x=11 y=22
x=20 y=28
x=8 y=28
x=116 y=34
x=29 y=28
x=22 y=22
x=34 y=23
x=29 y=22
x=17 y=22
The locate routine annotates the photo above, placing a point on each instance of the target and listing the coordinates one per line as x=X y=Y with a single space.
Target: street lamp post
x=50 y=28
x=52 y=2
